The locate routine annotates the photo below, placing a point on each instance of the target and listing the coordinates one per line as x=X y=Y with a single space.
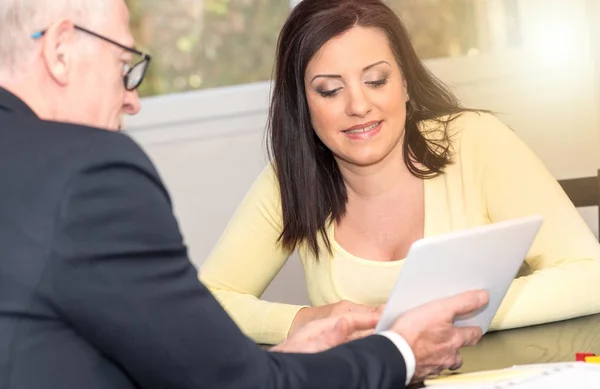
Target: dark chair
x=583 y=192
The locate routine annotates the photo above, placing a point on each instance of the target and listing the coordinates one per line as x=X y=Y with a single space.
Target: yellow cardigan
x=493 y=177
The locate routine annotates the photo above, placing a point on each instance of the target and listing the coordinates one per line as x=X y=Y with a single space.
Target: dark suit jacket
x=97 y=291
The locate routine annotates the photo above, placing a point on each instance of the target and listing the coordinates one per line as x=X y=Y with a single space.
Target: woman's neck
x=387 y=176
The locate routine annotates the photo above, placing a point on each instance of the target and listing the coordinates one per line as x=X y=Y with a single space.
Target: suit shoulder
x=65 y=150
x=93 y=145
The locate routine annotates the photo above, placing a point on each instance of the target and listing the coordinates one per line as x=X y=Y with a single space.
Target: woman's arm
x=565 y=256
x=245 y=261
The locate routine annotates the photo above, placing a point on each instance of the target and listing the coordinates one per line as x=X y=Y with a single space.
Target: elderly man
x=96 y=289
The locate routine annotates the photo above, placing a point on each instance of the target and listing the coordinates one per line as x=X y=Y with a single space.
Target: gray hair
x=19 y=19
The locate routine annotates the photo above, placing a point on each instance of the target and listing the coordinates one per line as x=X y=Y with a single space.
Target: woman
x=370 y=152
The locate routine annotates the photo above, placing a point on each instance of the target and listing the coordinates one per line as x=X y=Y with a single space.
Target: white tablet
x=486 y=257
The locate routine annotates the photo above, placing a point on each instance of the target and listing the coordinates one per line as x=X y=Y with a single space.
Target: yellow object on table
x=594 y=359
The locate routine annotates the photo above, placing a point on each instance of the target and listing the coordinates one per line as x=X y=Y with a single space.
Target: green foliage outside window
x=199 y=44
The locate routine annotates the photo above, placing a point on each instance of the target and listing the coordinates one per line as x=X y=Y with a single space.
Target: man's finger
x=467 y=302
x=362 y=321
x=341 y=330
x=470 y=335
x=457 y=363
x=359 y=335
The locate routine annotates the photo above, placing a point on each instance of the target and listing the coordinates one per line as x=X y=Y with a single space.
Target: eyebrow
x=338 y=76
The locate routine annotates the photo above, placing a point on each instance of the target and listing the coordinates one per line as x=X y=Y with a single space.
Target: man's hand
x=323 y=334
x=430 y=332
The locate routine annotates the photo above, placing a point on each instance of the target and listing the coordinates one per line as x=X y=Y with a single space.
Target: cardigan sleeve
x=245 y=261
x=565 y=256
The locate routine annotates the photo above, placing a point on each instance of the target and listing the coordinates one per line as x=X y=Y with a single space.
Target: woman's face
x=357 y=96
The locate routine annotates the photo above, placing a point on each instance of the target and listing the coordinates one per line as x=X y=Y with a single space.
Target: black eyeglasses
x=134 y=75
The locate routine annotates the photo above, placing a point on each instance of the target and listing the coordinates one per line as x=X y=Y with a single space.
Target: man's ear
x=58 y=49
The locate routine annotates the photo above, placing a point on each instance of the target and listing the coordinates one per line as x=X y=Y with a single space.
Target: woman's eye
x=329 y=93
x=377 y=83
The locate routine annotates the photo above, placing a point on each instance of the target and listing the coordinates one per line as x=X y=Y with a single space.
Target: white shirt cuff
x=405 y=350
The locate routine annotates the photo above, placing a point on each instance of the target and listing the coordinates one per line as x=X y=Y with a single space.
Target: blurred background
x=533 y=62
x=202 y=44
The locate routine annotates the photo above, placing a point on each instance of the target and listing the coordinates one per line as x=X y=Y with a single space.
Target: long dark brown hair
x=311 y=187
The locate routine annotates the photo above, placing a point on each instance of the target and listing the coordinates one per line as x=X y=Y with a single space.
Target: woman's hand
x=339 y=309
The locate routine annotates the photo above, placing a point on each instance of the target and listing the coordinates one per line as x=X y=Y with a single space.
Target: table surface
x=553 y=342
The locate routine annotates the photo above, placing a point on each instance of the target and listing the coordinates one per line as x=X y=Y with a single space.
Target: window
x=451 y=28
x=206 y=44
x=203 y=44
